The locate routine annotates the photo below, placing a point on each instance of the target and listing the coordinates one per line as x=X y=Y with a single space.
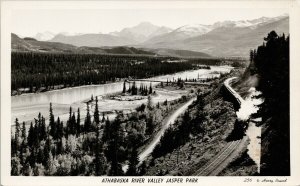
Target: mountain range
x=28 y=44
x=222 y=39
x=226 y=38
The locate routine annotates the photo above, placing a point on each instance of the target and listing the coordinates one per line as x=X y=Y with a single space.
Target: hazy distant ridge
x=32 y=45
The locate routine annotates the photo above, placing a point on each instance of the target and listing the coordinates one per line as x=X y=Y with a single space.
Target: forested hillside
x=270 y=62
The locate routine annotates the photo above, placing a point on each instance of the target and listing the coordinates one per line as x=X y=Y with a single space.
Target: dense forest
x=98 y=147
x=235 y=62
x=41 y=71
x=271 y=62
x=38 y=72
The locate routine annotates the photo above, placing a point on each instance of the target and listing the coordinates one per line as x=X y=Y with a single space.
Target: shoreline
x=108 y=82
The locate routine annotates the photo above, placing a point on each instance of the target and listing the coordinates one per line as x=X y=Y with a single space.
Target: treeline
x=206 y=61
x=271 y=62
x=235 y=62
x=134 y=90
x=44 y=71
x=98 y=147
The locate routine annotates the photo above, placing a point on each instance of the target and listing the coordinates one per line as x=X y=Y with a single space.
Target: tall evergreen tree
x=133 y=163
x=17 y=134
x=87 y=122
x=150 y=89
x=30 y=137
x=43 y=132
x=73 y=124
x=100 y=162
x=69 y=123
x=60 y=129
x=113 y=154
x=106 y=131
x=103 y=117
x=96 y=113
x=23 y=131
x=52 y=123
x=36 y=139
x=78 y=123
x=124 y=88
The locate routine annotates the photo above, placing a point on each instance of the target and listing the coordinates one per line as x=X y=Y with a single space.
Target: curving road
x=171 y=119
x=165 y=124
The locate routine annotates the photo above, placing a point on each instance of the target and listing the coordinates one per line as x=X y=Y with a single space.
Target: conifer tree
x=73 y=124
x=96 y=113
x=124 y=88
x=103 y=117
x=99 y=156
x=60 y=129
x=113 y=148
x=106 y=131
x=36 y=139
x=23 y=131
x=17 y=135
x=69 y=123
x=52 y=122
x=150 y=89
x=30 y=137
x=133 y=163
x=87 y=122
x=46 y=152
x=43 y=132
x=78 y=122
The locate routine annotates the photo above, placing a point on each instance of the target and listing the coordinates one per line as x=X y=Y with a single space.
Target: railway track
x=217 y=163
x=210 y=167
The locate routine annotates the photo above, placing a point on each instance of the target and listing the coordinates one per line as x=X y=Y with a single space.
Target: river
x=27 y=106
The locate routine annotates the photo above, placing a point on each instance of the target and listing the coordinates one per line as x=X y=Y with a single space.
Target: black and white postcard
x=140 y=92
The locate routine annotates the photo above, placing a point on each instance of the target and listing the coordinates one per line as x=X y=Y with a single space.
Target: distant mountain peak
x=44 y=36
x=142 y=31
x=145 y=23
x=194 y=29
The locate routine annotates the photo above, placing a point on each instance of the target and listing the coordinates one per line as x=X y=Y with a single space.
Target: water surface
x=27 y=106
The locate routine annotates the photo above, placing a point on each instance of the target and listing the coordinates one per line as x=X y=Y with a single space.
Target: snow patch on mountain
x=44 y=36
x=194 y=30
x=252 y=24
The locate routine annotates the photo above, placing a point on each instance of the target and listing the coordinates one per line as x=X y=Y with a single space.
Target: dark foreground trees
x=271 y=62
x=88 y=147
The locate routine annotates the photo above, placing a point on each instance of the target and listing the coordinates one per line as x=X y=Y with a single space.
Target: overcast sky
x=30 y=22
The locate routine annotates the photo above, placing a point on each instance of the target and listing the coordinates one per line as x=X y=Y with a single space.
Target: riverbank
x=26 y=107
